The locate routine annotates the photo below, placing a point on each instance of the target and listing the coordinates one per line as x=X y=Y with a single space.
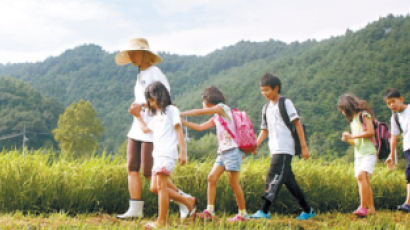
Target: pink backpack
x=245 y=136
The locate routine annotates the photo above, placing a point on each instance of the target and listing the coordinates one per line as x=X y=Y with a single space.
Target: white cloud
x=31 y=30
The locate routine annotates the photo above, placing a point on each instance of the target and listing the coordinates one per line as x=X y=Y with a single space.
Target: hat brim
x=123 y=57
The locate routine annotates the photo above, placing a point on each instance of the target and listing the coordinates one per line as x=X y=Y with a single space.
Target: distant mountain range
x=314 y=74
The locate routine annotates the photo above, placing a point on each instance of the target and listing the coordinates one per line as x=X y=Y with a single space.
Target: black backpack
x=289 y=124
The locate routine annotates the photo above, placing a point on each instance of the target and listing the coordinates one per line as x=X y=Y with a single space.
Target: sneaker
x=236 y=218
x=404 y=207
x=183 y=210
x=306 y=216
x=206 y=215
x=361 y=212
x=260 y=214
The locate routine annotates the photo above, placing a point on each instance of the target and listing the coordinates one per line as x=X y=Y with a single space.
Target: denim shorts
x=230 y=159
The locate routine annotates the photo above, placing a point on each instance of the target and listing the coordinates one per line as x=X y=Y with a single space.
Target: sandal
x=151 y=225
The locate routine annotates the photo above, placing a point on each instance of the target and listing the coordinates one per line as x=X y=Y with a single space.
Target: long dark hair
x=350 y=104
x=160 y=94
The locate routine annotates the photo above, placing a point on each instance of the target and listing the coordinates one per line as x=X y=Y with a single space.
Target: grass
x=333 y=220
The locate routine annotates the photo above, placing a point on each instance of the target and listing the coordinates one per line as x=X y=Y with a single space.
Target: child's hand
x=346 y=136
x=135 y=110
x=182 y=158
x=390 y=162
x=255 y=152
x=305 y=153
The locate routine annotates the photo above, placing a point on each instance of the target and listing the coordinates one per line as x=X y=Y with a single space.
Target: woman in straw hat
x=139 y=149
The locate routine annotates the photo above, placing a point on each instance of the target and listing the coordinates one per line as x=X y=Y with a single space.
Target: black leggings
x=280 y=172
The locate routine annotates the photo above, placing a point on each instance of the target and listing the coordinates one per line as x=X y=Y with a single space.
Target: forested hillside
x=314 y=74
x=23 y=106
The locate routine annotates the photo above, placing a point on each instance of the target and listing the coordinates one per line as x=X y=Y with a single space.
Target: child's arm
x=135 y=110
x=181 y=143
x=301 y=135
x=198 y=127
x=206 y=111
x=368 y=133
x=390 y=161
x=262 y=136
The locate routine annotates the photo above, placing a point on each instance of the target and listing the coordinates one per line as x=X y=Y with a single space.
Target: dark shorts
x=139 y=156
x=407 y=170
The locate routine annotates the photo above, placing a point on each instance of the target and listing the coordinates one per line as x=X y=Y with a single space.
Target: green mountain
x=22 y=106
x=314 y=74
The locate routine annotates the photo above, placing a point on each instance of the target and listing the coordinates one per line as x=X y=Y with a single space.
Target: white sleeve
x=175 y=116
x=159 y=76
x=394 y=127
x=292 y=112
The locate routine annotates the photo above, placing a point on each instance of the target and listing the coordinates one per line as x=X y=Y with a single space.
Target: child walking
x=360 y=117
x=282 y=148
x=400 y=123
x=229 y=155
x=167 y=134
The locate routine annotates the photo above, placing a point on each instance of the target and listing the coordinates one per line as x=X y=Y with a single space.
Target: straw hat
x=137 y=45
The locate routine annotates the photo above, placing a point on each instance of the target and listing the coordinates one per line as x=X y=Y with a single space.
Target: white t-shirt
x=165 y=137
x=404 y=119
x=280 y=137
x=144 y=78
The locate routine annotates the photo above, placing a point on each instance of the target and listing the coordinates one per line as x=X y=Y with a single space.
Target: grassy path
x=383 y=220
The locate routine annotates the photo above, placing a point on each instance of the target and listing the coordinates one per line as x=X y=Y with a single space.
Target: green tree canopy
x=78 y=129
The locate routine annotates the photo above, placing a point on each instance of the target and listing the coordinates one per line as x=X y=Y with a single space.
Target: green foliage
x=314 y=74
x=22 y=105
x=78 y=129
x=42 y=182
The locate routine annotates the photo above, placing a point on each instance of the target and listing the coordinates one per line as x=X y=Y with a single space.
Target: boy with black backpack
x=400 y=123
x=280 y=120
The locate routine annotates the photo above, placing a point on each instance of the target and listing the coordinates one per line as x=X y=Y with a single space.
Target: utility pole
x=186 y=140
x=24 y=137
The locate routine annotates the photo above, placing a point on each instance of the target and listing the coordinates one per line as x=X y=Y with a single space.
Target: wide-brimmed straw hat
x=136 y=45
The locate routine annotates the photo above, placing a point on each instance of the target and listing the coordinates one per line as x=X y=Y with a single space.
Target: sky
x=32 y=30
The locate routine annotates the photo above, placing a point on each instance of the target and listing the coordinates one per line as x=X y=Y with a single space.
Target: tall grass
x=41 y=182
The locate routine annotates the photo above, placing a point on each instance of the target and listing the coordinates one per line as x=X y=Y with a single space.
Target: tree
x=78 y=129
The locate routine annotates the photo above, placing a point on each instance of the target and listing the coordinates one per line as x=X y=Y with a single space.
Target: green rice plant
x=41 y=182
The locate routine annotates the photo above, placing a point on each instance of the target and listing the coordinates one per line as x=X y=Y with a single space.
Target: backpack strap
x=225 y=125
x=264 y=109
x=284 y=113
x=361 y=118
x=396 y=118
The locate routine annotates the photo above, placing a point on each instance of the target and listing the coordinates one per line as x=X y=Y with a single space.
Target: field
x=41 y=189
x=334 y=220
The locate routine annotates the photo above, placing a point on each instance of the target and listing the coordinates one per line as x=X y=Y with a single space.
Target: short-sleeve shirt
x=280 y=137
x=144 y=78
x=362 y=146
x=404 y=120
x=225 y=140
x=165 y=137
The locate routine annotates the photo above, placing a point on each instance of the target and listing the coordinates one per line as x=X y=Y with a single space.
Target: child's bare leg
x=187 y=201
x=213 y=177
x=163 y=199
x=369 y=195
x=234 y=178
x=408 y=194
x=361 y=182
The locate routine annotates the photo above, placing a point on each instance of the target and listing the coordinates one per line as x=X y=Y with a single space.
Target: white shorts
x=364 y=163
x=163 y=165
